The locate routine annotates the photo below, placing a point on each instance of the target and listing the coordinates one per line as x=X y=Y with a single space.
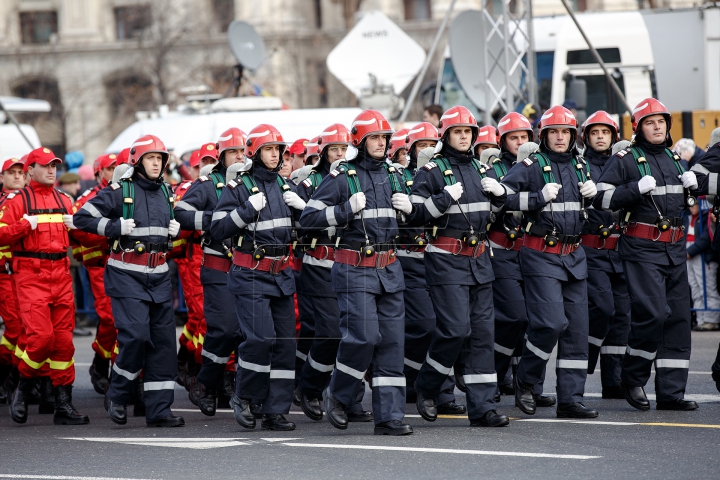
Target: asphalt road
x=621 y=443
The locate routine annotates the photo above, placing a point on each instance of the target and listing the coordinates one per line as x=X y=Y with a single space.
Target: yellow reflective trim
x=5 y=254
x=116 y=350
x=104 y=352
x=177 y=243
x=32 y=364
x=201 y=340
x=195 y=341
x=77 y=250
x=50 y=218
x=186 y=333
x=5 y=343
x=55 y=365
x=19 y=353
x=92 y=255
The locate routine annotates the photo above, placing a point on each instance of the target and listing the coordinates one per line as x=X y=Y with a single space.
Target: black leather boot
x=4 y=395
x=490 y=419
x=393 y=427
x=311 y=407
x=47 y=396
x=636 y=397
x=242 y=413
x=139 y=405
x=335 y=410
x=426 y=407
x=117 y=412
x=227 y=391
x=276 y=421
x=575 y=410
x=19 y=402
x=11 y=382
x=182 y=358
x=99 y=371
x=451 y=408
x=207 y=399
x=544 y=400
x=524 y=397
x=65 y=413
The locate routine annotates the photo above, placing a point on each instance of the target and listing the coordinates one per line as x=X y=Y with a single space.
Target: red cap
x=300 y=146
x=10 y=162
x=108 y=160
x=208 y=150
x=194 y=159
x=42 y=156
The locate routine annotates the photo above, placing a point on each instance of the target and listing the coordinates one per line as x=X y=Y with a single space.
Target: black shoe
x=524 y=397
x=311 y=407
x=507 y=389
x=490 y=419
x=360 y=417
x=575 y=410
x=65 y=413
x=410 y=395
x=256 y=408
x=678 y=404
x=47 y=396
x=335 y=410
x=193 y=391
x=192 y=368
x=426 y=407
x=497 y=396
x=614 y=393
x=34 y=396
x=635 y=396
x=394 y=428
x=275 y=421
x=139 y=405
x=182 y=358
x=169 y=421
x=19 y=401
x=11 y=382
x=242 y=413
x=227 y=391
x=99 y=369
x=207 y=399
x=297 y=397
x=117 y=412
x=544 y=400
x=3 y=395
x=451 y=408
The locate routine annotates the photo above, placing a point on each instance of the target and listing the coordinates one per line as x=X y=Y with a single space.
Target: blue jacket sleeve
x=329 y=205
x=519 y=186
x=191 y=211
x=232 y=213
x=428 y=195
x=706 y=170
x=101 y=215
x=616 y=188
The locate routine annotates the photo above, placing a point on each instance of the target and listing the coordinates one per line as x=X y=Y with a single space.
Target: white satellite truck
x=19 y=140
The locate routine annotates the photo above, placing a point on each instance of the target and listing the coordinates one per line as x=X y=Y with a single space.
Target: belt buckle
x=674 y=237
x=277 y=263
x=381 y=260
x=659 y=234
x=153 y=260
x=476 y=249
x=459 y=245
x=566 y=249
x=327 y=252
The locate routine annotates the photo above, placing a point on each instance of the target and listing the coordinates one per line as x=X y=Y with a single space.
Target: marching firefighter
x=137 y=214
x=398 y=150
x=13 y=178
x=318 y=300
x=37 y=219
x=360 y=199
x=452 y=194
x=649 y=184
x=256 y=210
x=194 y=211
x=552 y=186
x=93 y=251
x=419 y=314
x=488 y=137
x=608 y=300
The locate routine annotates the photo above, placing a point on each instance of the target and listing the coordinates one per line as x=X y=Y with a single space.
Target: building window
x=132 y=21
x=224 y=13
x=38 y=27
x=417 y=10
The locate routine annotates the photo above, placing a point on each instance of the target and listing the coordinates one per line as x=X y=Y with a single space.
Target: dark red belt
x=502 y=240
x=216 y=263
x=322 y=252
x=652 y=232
x=355 y=258
x=296 y=264
x=150 y=260
x=458 y=247
x=271 y=265
x=600 y=243
x=538 y=243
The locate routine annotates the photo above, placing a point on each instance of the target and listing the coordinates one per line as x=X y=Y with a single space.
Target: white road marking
x=280 y=439
x=443 y=450
x=696 y=397
x=63 y=477
x=192 y=443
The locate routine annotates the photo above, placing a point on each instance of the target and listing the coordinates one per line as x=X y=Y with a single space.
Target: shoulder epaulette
x=68 y=196
x=185 y=185
x=307 y=182
x=86 y=193
x=528 y=161
x=204 y=178
x=115 y=185
x=11 y=195
x=623 y=152
x=335 y=173
x=232 y=184
x=430 y=165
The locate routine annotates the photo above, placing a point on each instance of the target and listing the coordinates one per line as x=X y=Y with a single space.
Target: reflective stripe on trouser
x=146 y=344
x=557 y=314
x=306 y=333
x=222 y=336
x=265 y=371
x=510 y=322
x=106 y=333
x=372 y=331
x=10 y=313
x=659 y=326
x=47 y=310
x=465 y=328
x=609 y=314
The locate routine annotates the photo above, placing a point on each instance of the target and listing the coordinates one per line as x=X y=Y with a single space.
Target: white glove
x=646 y=184
x=550 y=191
x=401 y=201
x=455 y=191
x=126 y=226
x=258 y=201
x=588 y=189
x=490 y=185
x=293 y=200
x=357 y=202
x=68 y=221
x=689 y=180
x=32 y=219
x=174 y=228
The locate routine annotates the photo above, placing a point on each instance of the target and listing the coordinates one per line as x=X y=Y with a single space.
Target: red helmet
x=514 y=122
x=232 y=138
x=369 y=122
x=335 y=134
x=647 y=107
x=458 y=116
x=422 y=131
x=312 y=147
x=558 y=116
x=601 y=117
x=261 y=135
x=123 y=156
x=487 y=134
x=147 y=144
x=104 y=161
x=398 y=141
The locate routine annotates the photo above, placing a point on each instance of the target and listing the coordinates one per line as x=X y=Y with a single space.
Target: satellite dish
x=246 y=45
x=376 y=48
